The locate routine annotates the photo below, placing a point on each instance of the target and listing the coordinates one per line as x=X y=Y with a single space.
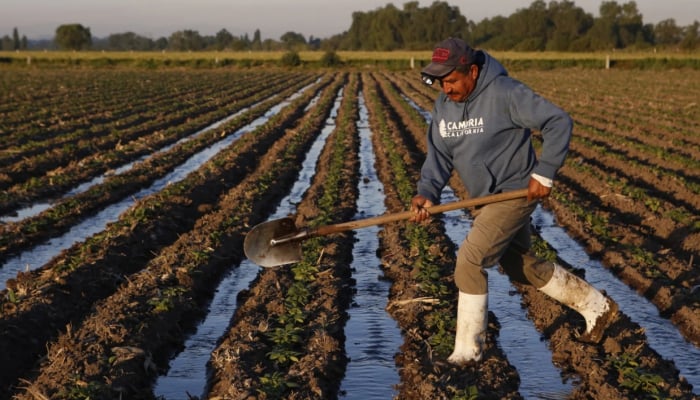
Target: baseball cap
x=448 y=55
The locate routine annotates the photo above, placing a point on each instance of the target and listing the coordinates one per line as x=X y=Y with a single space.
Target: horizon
x=272 y=17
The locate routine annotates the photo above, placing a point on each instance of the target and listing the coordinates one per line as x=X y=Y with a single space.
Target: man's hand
x=536 y=190
x=418 y=206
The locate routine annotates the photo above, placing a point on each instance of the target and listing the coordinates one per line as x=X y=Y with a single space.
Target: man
x=481 y=127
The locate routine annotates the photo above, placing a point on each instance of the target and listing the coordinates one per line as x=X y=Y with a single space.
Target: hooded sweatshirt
x=486 y=138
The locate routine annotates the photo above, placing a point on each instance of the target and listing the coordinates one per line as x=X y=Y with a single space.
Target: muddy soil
x=102 y=319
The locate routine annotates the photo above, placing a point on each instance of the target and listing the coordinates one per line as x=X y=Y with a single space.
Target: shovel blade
x=258 y=248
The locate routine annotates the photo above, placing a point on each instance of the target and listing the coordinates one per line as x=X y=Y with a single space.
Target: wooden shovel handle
x=440 y=208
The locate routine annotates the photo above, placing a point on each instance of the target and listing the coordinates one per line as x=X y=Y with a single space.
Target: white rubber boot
x=471 y=328
x=579 y=295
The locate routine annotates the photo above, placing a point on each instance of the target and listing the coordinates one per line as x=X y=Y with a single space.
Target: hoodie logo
x=451 y=129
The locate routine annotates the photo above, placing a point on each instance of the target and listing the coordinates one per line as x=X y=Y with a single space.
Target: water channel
x=662 y=335
x=187 y=373
x=372 y=336
x=38 y=207
x=43 y=253
x=372 y=368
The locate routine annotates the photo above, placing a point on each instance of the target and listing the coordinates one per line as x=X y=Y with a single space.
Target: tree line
x=554 y=26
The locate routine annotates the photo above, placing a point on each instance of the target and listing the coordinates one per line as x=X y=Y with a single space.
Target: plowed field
x=102 y=317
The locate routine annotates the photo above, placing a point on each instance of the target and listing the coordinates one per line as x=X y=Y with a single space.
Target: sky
x=38 y=19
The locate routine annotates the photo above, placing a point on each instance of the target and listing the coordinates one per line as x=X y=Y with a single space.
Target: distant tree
x=359 y=28
x=568 y=24
x=667 y=33
x=293 y=41
x=240 y=44
x=73 y=37
x=313 y=43
x=223 y=39
x=129 y=41
x=187 y=40
x=15 y=39
x=526 y=29
x=270 y=44
x=6 y=43
x=332 y=43
x=630 y=26
x=161 y=43
x=488 y=32
x=691 y=37
x=619 y=26
x=256 y=44
x=290 y=59
x=413 y=27
x=603 y=35
x=24 y=44
x=385 y=29
x=330 y=59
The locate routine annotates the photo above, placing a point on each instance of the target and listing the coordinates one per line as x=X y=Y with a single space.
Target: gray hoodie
x=486 y=139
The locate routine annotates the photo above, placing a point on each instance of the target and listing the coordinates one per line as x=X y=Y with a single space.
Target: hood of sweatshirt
x=486 y=138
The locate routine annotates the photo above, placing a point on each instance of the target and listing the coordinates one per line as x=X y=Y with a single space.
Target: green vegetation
x=73 y=37
x=633 y=377
x=543 y=26
x=288 y=331
x=290 y=59
x=430 y=276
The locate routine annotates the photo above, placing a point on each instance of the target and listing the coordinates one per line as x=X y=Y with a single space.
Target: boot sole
x=601 y=324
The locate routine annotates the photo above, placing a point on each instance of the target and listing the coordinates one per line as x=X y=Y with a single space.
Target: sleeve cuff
x=543 y=180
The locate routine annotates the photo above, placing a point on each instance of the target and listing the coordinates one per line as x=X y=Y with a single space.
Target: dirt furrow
x=136 y=329
x=250 y=361
x=44 y=301
x=48 y=175
x=65 y=213
x=598 y=368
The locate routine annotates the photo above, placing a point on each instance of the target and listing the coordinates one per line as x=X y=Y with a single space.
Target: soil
x=103 y=318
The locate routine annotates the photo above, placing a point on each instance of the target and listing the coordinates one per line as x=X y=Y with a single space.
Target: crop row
x=286 y=338
x=94 y=269
x=145 y=306
x=638 y=211
x=43 y=104
x=61 y=166
x=113 y=309
x=67 y=211
x=637 y=352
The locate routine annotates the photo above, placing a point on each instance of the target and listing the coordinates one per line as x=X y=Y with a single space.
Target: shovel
x=278 y=242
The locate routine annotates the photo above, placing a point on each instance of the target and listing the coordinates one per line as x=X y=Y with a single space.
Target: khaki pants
x=500 y=234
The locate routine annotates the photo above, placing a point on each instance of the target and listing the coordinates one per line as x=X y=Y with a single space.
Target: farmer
x=481 y=127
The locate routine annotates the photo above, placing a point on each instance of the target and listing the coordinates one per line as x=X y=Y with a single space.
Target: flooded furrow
x=41 y=254
x=662 y=335
x=187 y=373
x=37 y=207
x=372 y=336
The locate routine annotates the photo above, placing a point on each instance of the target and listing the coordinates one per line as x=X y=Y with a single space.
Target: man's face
x=458 y=86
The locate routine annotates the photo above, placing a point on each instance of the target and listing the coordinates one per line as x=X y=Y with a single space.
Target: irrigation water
x=43 y=253
x=38 y=207
x=187 y=371
x=372 y=336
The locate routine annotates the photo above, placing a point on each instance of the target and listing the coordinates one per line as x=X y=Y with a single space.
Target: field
x=400 y=59
x=102 y=317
